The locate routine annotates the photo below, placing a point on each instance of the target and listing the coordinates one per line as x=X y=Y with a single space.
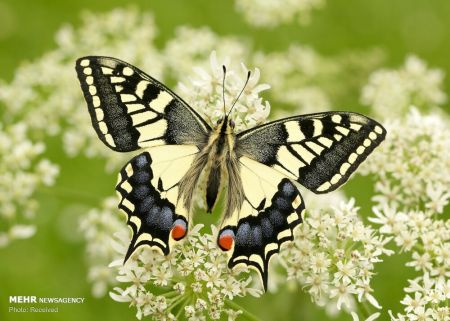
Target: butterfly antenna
x=237 y=98
x=223 y=88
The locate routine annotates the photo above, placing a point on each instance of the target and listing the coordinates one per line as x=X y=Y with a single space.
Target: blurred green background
x=52 y=264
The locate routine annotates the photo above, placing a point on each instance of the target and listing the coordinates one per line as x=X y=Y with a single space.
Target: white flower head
x=205 y=93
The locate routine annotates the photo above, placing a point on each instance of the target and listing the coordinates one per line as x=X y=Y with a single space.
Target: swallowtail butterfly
x=132 y=111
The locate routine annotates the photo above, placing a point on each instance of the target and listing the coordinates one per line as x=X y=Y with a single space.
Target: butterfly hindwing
x=148 y=187
x=130 y=110
x=271 y=210
x=320 y=151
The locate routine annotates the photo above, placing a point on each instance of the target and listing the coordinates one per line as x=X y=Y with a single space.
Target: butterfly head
x=225 y=125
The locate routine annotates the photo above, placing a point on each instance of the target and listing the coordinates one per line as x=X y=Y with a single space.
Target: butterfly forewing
x=130 y=110
x=320 y=151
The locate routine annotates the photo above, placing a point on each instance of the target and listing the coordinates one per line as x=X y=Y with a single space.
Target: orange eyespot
x=178 y=230
x=226 y=240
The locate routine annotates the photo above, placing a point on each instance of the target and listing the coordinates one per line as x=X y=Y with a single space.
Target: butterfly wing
x=149 y=189
x=271 y=210
x=130 y=110
x=320 y=151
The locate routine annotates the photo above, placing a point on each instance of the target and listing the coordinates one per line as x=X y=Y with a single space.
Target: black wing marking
x=148 y=187
x=320 y=151
x=129 y=109
x=272 y=208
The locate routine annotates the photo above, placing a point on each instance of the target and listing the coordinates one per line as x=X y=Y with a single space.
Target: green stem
x=177 y=317
x=176 y=301
x=246 y=314
x=364 y=309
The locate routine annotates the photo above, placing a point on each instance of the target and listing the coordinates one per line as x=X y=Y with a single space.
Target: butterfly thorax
x=220 y=150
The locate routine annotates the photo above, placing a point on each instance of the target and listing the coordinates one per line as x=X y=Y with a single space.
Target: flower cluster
x=333 y=257
x=46 y=94
x=412 y=166
x=22 y=172
x=412 y=170
x=308 y=81
x=192 y=281
x=206 y=94
x=271 y=13
x=98 y=227
x=390 y=92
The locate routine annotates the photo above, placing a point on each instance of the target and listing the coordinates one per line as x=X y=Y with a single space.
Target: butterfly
x=132 y=111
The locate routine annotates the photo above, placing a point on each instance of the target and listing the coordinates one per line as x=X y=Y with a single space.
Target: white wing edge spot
x=292 y=217
x=283 y=234
x=99 y=114
x=352 y=158
x=335 y=179
x=84 y=63
x=270 y=247
x=323 y=187
x=127 y=71
x=336 y=119
x=344 y=168
x=110 y=140
x=96 y=101
x=92 y=90
x=136 y=221
x=103 y=127
x=128 y=204
x=378 y=129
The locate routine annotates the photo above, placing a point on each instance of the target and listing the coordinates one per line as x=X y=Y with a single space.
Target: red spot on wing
x=178 y=232
x=226 y=241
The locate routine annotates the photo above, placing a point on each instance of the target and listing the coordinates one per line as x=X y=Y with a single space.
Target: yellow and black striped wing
x=320 y=151
x=130 y=110
x=271 y=210
x=148 y=188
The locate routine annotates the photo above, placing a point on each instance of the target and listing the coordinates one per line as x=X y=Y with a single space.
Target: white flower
x=22 y=172
x=369 y=318
x=168 y=273
x=271 y=13
x=391 y=92
x=333 y=255
x=205 y=94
